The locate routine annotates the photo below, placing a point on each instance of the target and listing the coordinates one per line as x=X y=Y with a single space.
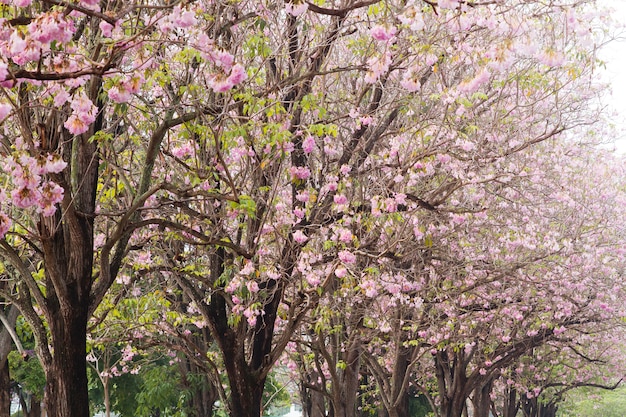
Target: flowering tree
x=78 y=158
x=266 y=155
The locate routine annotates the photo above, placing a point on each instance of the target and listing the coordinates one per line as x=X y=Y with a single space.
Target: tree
x=67 y=70
x=262 y=156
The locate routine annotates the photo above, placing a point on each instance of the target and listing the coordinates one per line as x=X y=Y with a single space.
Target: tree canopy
x=395 y=201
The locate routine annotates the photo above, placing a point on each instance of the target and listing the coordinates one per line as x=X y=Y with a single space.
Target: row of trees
x=395 y=199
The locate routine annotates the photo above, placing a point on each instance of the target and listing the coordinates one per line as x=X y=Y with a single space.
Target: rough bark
x=482 y=400
x=452 y=382
x=66 y=379
x=5 y=389
x=313 y=400
x=345 y=393
x=511 y=404
x=5 y=348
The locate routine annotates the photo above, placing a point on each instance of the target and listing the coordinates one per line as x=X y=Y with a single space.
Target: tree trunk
x=313 y=400
x=399 y=397
x=482 y=400
x=452 y=384
x=511 y=405
x=107 y=397
x=345 y=394
x=66 y=392
x=548 y=410
x=246 y=394
x=5 y=389
x=5 y=348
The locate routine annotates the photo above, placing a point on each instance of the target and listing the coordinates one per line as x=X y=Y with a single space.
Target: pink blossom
x=61 y=98
x=296 y=9
x=300 y=173
x=84 y=109
x=298 y=212
x=369 y=287
x=382 y=33
x=252 y=286
x=400 y=198
x=91 y=4
x=75 y=126
x=475 y=83
x=51 y=27
x=299 y=236
x=341 y=272
x=4 y=72
x=340 y=199
x=5 y=224
x=25 y=197
x=220 y=84
x=346 y=257
x=119 y=94
x=18 y=44
x=106 y=28
x=303 y=196
x=377 y=66
x=186 y=19
x=345 y=236
x=237 y=75
x=5 y=109
x=448 y=4
x=552 y=58
x=410 y=81
x=412 y=18
x=308 y=144
x=223 y=59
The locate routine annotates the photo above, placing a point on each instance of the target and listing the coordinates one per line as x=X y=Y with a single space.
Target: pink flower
x=299 y=213
x=299 y=236
x=5 y=109
x=410 y=82
x=300 y=173
x=186 y=19
x=119 y=95
x=75 y=126
x=84 y=107
x=252 y=286
x=18 y=44
x=296 y=10
x=340 y=199
x=220 y=84
x=237 y=75
x=341 y=272
x=224 y=60
x=381 y=33
x=5 y=224
x=347 y=257
x=61 y=98
x=106 y=28
x=91 y=4
x=25 y=197
x=474 y=84
x=369 y=287
x=308 y=144
x=4 y=72
x=345 y=236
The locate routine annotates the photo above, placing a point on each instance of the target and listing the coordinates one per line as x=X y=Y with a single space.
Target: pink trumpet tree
x=272 y=159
